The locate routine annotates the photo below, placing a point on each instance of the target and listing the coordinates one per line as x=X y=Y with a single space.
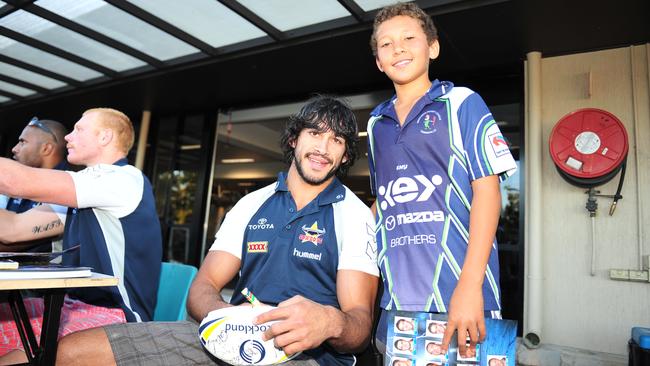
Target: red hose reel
x=589 y=147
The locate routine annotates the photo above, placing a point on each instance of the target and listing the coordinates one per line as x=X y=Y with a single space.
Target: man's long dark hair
x=324 y=113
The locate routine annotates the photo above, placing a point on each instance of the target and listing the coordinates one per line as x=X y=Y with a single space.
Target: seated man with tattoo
x=40 y=145
x=111 y=215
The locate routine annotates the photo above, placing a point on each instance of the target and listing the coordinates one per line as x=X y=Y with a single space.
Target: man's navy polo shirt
x=285 y=252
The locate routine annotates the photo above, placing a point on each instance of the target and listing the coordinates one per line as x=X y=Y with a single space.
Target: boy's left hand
x=466 y=315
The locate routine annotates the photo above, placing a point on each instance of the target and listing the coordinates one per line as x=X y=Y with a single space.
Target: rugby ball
x=230 y=335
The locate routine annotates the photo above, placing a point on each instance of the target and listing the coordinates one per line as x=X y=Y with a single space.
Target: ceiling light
x=237 y=161
x=190 y=147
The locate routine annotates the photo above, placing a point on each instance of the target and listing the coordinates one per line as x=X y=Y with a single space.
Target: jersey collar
x=63 y=165
x=334 y=192
x=437 y=89
x=121 y=162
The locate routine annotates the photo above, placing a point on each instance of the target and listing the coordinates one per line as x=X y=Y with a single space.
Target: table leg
x=51 y=318
x=23 y=325
x=44 y=352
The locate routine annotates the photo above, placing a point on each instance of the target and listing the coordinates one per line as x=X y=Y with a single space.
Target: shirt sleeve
x=117 y=189
x=4 y=200
x=486 y=149
x=230 y=236
x=60 y=211
x=356 y=236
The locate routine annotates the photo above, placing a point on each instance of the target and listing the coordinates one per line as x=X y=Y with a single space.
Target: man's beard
x=309 y=180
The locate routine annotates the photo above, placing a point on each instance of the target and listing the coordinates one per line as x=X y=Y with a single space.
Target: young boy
x=435 y=151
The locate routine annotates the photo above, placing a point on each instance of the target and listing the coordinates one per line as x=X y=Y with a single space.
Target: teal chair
x=175 y=281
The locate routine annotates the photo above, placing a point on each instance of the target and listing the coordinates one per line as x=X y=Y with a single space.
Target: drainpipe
x=637 y=160
x=534 y=253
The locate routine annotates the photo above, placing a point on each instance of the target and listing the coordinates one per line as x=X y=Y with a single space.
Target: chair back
x=174 y=286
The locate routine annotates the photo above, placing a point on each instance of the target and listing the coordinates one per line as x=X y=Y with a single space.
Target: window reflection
x=177 y=173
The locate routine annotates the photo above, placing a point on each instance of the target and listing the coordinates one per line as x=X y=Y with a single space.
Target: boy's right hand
x=466 y=317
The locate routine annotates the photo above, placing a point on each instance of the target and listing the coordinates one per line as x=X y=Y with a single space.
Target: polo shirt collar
x=281 y=184
x=63 y=165
x=121 y=162
x=437 y=89
x=334 y=192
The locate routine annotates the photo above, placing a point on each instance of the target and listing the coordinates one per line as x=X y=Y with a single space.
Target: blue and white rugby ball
x=230 y=335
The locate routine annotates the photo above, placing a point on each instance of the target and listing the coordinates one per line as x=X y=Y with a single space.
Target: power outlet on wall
x=641 y=276
x=629 y=275
x=619 y=274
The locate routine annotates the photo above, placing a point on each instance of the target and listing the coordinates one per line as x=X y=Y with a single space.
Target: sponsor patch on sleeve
x=499 y=144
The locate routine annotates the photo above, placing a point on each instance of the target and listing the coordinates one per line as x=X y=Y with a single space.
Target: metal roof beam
x=94 y=35
x=357 y=12
x=13 y=5
x=253 y=18
x=10 y=95
x=6 y=10
x=163 y=25
x=56 y=51
x=24 y=84
x=38 y=70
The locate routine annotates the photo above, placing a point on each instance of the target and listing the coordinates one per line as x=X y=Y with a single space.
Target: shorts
x=165 y=343
x=76 y=315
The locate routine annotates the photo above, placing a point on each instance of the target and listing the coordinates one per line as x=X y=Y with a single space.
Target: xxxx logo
x=257 y=246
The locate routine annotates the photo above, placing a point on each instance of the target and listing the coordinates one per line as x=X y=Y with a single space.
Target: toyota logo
x=390 y=223
x=262 y=221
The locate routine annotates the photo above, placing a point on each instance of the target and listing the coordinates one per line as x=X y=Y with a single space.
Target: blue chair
x=175 y=281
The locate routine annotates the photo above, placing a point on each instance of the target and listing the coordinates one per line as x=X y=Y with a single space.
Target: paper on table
x=8 y=264
x=37 y=272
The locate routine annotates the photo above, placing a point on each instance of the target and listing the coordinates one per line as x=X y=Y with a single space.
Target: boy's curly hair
x=406 y=9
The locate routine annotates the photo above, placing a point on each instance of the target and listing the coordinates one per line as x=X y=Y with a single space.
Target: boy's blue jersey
x=421 y=174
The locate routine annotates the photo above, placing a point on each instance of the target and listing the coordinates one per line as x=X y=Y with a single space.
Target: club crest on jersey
x=427 y=121
x=499 y=144
x=257 y=247
x=312 y=234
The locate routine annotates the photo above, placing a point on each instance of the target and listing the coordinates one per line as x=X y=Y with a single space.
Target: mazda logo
x=390 y=222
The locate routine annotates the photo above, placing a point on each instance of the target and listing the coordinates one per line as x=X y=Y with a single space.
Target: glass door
x=182 y=156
